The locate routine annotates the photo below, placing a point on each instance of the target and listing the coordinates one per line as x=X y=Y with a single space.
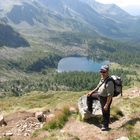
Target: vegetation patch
x=116 y=113
x=134 y=138
x=58 y=135
x=36 y=133
x=61 y=117
x=37 y=99
x=130 y=105
x=5 y=138
x=130 y=109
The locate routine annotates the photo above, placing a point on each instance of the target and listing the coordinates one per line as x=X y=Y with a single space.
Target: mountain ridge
x=73 y=28
x=107 y=20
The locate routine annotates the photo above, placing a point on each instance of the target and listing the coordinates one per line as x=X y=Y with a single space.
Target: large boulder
x=82 y=106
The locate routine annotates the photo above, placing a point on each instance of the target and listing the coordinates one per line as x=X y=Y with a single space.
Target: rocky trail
x=20 y=125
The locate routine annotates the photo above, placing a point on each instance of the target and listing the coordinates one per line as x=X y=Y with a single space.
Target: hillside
x=10 y=38
x=126 y=124
x=67 y=29
x=108 y=20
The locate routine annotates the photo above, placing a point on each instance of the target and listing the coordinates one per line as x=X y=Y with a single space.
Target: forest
x=70 y=81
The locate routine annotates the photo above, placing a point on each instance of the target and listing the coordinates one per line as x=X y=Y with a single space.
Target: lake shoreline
x=69 y=64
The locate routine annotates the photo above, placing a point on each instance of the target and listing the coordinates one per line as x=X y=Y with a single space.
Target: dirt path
x=86 y=131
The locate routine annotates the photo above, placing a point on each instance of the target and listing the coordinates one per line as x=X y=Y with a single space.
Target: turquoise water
x=79 y=64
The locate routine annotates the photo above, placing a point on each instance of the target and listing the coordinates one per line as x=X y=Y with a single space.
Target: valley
x=34 y=36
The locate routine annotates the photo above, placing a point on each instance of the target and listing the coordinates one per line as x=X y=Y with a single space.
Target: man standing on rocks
x=104 y=93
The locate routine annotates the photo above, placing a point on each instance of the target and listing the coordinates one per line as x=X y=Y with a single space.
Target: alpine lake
x=69 y=64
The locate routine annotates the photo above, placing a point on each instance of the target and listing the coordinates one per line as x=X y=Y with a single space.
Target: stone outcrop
x=2 y=121
x=40 y=116
x=123 y=138
x=25 y=127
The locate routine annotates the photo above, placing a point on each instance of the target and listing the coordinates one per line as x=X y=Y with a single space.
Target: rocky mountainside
x=70 y=15
x=67 y=27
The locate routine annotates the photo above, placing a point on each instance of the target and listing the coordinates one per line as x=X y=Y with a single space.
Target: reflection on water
x=79 y=64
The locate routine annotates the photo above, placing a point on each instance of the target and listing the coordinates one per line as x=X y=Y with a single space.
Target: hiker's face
x=104 y=73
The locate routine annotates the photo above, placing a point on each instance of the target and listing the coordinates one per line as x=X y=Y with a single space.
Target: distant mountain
x=24 y=12
x=56 y=16
x=109 y=10
x=67 y=28
x=102 y=18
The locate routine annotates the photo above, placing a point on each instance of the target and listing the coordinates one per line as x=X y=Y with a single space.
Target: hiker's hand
x=89 y=94
x=105 y=107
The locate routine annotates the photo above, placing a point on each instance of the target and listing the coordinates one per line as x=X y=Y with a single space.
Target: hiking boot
x=87 y=115
x=87 y=111
x=105 y=128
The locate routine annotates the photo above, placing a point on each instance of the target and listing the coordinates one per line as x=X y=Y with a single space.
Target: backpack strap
x=105 y=81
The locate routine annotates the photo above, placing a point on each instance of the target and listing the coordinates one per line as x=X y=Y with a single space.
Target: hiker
x=104 y=93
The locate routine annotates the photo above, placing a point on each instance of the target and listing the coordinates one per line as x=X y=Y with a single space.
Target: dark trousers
x=103 y=100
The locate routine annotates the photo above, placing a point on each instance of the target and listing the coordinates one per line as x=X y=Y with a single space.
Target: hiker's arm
x=110 y=92
x=109 y=98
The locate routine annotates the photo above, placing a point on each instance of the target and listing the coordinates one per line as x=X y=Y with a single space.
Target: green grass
x=116 y=113
x=36 y=99
x=36 y=133
x=5 y=138
x=134 y=138
x=129 y=108
x=130 y=105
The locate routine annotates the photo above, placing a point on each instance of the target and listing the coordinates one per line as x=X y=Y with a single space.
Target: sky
x=121 y=3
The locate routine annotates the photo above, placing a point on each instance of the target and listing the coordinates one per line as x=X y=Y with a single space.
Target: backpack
x=117 y=84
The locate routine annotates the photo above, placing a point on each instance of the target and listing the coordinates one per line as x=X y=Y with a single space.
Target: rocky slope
x=108 y=20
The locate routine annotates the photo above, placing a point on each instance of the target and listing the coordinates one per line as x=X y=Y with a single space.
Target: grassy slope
x=51 y=100
x=39 y=100
x=130 y=68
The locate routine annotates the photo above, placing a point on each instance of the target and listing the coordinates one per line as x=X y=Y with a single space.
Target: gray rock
x=40 y=116
x=8 y=134
x=123 y=138
x=82 y=106
x=2 y=121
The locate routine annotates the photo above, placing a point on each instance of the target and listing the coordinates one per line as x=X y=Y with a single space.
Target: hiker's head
x=104 y=70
